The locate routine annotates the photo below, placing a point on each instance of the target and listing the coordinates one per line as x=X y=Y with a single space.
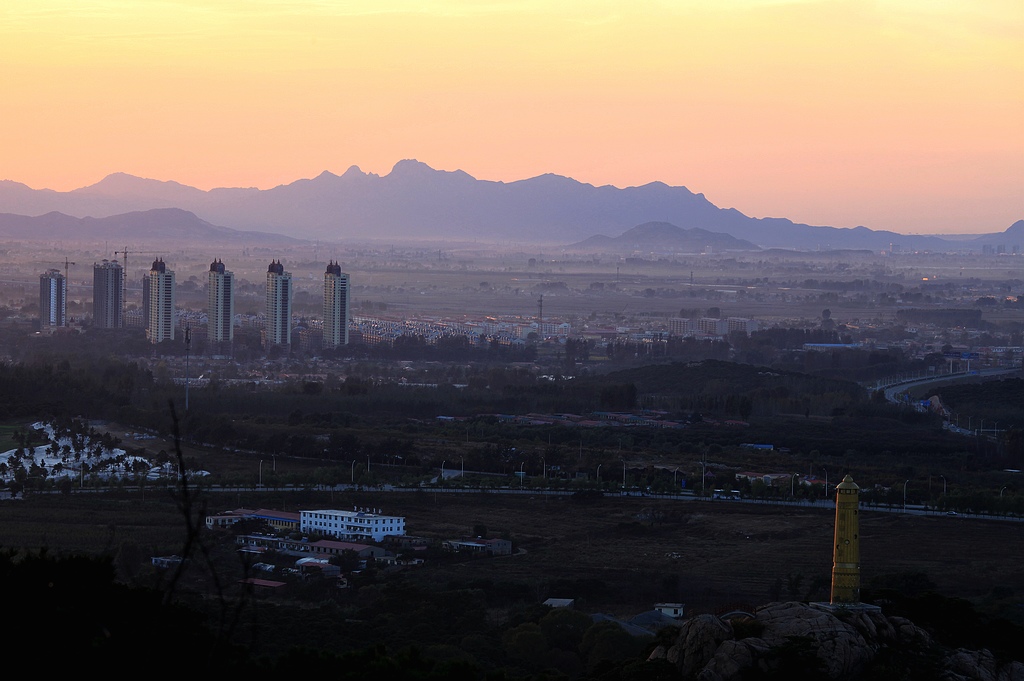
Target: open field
x=709 y=554
x=617 y=555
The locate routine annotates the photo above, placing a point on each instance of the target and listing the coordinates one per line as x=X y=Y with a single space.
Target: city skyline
x=897 y=115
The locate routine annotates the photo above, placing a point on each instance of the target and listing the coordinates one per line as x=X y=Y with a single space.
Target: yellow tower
x=846 y=559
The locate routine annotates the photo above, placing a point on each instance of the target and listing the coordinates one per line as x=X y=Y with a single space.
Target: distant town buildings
x=220 y=304
x=107 y=295
x=336 y=307
x=53 y=293
x=711 y=326
x=158 y=302
x=278 y=328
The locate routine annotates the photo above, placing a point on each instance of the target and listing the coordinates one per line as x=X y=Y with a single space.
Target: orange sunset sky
x=894 y=114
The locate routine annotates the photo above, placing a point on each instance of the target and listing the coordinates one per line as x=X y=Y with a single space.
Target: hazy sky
x=893 y=114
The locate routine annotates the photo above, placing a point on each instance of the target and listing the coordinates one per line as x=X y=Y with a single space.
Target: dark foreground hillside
x=71 y=613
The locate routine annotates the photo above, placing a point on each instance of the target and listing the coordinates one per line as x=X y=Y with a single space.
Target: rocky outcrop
x=699 y=640
x=980 y=665
x=839 y=644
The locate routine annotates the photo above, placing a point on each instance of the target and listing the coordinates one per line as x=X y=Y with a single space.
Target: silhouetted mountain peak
x=13 y=185
x=354 y=171
x=123 y=183
x=660 y=236
x=411 y=170
x=653 y=230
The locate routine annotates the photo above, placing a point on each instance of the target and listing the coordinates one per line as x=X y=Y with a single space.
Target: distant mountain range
x=157 y=225
x=415 y=201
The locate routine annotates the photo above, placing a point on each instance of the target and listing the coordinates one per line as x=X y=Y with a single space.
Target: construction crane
x=66 y=264
x=124 y=278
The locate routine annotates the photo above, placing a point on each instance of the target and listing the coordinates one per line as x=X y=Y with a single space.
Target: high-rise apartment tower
x=336 y=307
x=220 y=292
x=107 y=289
x=159 y=295
x=53 y=294
x=278 y=329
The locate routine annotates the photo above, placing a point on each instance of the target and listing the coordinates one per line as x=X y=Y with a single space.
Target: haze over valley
x=513 y=341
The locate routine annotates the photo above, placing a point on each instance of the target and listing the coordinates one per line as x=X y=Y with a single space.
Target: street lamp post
x=522 y=474
x=599 y=475
x=442 y=470
x=905 y=496
x=1001 y=492
x=943 y=486
x=261 y=472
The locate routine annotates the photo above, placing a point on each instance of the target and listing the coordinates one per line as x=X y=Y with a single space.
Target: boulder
x=733 y=658
x=980 y=665
x=698 y=641
x=841 y=648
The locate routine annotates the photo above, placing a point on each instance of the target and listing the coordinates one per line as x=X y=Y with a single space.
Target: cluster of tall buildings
x=158 y=303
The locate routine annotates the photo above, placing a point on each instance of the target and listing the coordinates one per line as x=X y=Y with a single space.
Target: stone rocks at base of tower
x=841 y=644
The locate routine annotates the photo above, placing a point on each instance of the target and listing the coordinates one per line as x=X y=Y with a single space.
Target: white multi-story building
x=681 y=326
x=159 y=297
x=278 y=329
x=354 y=524
x=741 y=324
x=220 y=296
x=53 y=294
x=713 y=326
x=107 y=295
x=336 y=307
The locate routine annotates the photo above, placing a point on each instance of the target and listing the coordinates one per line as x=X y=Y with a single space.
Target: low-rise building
x=487 y=547
x=327 y=547
x=357 y=523
x=284 y=521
